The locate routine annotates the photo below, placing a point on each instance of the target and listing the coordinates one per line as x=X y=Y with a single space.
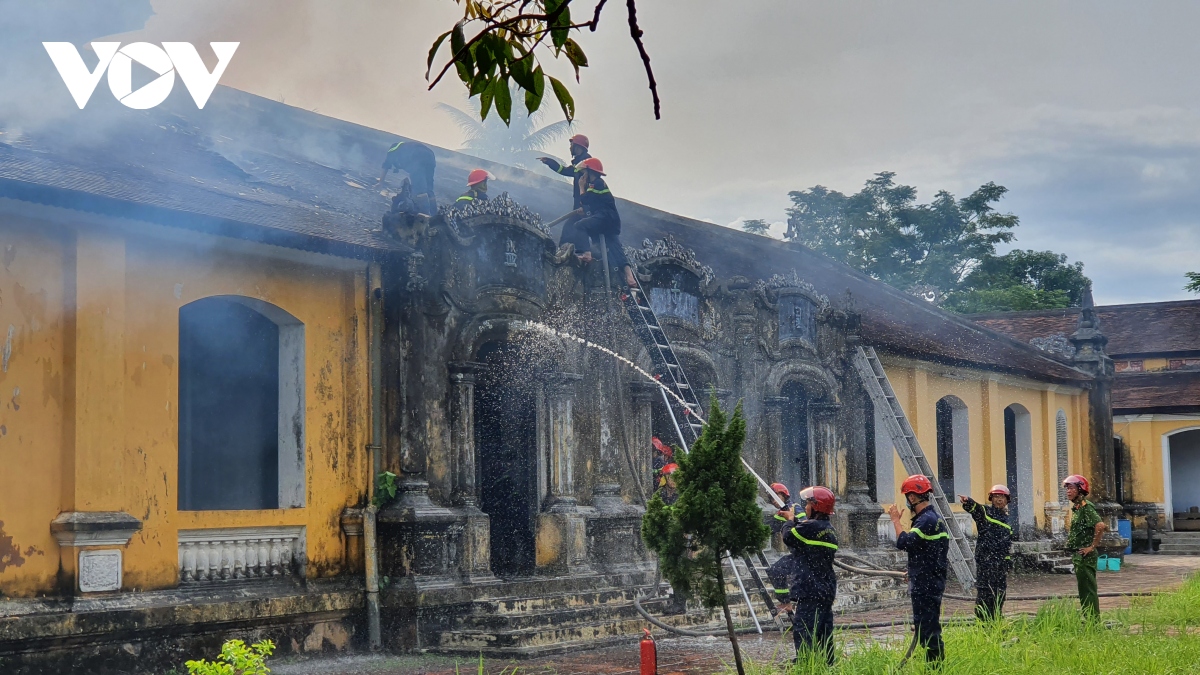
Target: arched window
x=953 y=446
x=1060 y=444
x=241 y=406
x=1018 y=465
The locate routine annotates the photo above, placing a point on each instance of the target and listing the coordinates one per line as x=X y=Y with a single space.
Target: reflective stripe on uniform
x=991 y=519
x=930 y=537
x=810 y=542
x=598 y=192
x=393 y=148
x=466 y=198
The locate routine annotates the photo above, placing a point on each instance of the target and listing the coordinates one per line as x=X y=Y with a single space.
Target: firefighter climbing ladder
x=880 y=389
x=685 y=408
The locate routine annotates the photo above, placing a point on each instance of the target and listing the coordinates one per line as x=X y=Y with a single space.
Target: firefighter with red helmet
x=927 y=543
x=1086 y=531
x=992 y=559
x=781 y=571
x=598 y=208
x=477 y=185
x=666 y=484
x=813 y=542
x=579 y=152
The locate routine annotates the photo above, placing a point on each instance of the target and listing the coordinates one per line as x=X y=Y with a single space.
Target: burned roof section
x=1143 y=329
x=249 y=167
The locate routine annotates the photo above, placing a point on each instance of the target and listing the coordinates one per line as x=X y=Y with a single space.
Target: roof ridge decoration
x=791 y=280
x=1055 y=344
x=668 y=248
x=501 y=205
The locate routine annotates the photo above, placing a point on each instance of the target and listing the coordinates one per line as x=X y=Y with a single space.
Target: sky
x=1086 y=111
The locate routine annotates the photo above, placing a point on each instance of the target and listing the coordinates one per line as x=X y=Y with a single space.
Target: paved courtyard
x=696 y=656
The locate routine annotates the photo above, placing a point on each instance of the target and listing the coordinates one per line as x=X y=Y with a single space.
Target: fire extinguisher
x=649 y=654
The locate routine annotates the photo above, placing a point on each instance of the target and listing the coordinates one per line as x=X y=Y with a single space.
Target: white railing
x=240 y=553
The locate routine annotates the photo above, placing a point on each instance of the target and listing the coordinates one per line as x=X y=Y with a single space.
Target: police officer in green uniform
x=1087 y=528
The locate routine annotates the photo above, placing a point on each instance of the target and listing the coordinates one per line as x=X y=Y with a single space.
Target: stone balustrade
x=221 y=554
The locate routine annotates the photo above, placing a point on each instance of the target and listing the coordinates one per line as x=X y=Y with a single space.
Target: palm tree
x=517 y=144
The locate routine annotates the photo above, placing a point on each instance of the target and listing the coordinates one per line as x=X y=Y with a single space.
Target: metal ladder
x=666 y=366
x=669 y=372
x=905 y=441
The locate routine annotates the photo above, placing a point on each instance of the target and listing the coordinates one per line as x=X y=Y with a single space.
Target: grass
x=1159 y=635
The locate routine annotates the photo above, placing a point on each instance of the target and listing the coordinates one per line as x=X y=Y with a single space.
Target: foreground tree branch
x=508 y=45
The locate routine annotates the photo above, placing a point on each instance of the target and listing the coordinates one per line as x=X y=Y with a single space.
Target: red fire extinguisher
x=649 y=654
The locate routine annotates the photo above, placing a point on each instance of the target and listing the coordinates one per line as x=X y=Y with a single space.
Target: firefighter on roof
x=992 y=559
x=927 y=543
x=477 y=185
x=813 y=543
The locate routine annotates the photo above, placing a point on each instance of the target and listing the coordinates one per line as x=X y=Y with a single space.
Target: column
x=642 y=396
x=462 y=432
x=560 y=408
x=861 y=513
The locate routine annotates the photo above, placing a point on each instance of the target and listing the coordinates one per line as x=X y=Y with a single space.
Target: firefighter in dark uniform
x=780 y=572
x=418 y=161
x=476 y=189
x=992 y=559
x=579 y=152
x=814 y=586
x=600 y=219
x=666 y=484
x=927 y=543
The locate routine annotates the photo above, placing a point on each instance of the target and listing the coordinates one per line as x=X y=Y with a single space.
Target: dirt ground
x=695 y=656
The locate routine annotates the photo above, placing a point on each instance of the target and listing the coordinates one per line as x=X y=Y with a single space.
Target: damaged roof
x=250 y=167
x=1142 y=329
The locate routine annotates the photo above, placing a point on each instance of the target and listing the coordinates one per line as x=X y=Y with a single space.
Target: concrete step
x=541 y=640
x=1179 y=549
x=562 y=617
x=556 y=601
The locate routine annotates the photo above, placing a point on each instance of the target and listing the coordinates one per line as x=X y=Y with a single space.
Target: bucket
x=1114 y=564
x=1102 y=563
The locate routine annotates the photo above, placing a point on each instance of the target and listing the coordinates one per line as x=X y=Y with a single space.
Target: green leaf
x=533 y=94
x=478 y=85
x=564 y=98
x=558 y=28
x=463 y=62
x=503 y=99
x=485 y=100
x=484 y=61
x=521 y=69
x=433 y=51
x=576 y=56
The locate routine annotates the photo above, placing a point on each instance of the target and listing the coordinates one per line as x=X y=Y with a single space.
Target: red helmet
x=593 y=164
x=477 y=176
x=918 y=484
x=579 y=139
x=669 y=469
x=1078 y=481
x=1000 y=490
x=781 y=488
x=822 y=498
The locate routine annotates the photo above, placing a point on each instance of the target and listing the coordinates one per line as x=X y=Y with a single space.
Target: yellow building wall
x=1143 y=436
x=919 y=386
x=94 y=312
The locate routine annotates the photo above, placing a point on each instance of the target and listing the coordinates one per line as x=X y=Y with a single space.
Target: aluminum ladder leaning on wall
x=683 y=409
x=905 y=441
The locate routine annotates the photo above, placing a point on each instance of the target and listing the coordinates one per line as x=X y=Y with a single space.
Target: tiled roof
x=251 y=167
x=1163 y=392
x=1144 y=328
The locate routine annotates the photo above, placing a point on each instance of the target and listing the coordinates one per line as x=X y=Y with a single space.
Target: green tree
x=715 y=514
x=1193 y=284
x=1020 y=280
x=518 y=143
x=948 y=244
x=508 y=38
x=756 y=226
x=883 y=231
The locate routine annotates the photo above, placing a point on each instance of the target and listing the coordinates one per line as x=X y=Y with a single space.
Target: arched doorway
x=1018 y=467
x=798 y=461
x=1182 y=449
x=953 y=446
x=506 y=442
